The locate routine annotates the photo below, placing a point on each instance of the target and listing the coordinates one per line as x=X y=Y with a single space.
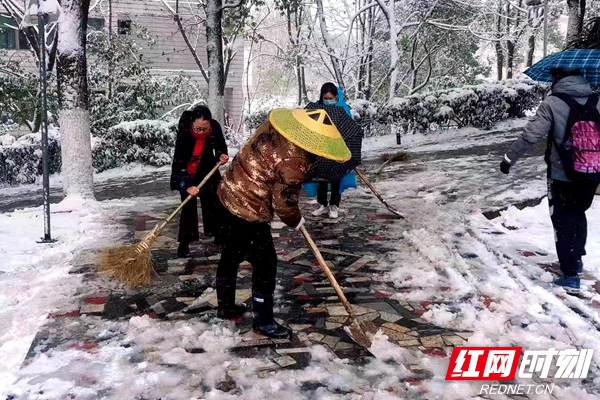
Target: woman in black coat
x=199 y=146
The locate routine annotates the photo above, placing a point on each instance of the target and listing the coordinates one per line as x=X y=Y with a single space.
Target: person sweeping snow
x=199 y=145
x=264 y=179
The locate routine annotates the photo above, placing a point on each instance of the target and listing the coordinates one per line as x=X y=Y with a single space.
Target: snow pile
x=35 y=277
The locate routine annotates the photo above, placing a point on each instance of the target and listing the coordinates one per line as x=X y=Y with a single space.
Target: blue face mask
x=330 y=102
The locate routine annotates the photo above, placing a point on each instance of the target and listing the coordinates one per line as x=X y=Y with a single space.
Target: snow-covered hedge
x=478 y=105
x=21 y=159
x=147 y=142
x=261 y=111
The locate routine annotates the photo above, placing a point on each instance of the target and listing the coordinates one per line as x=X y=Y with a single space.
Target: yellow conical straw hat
x=311 y=130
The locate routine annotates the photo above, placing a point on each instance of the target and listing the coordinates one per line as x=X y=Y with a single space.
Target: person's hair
x=201 y=112
x=330 y=88
x=560 y=73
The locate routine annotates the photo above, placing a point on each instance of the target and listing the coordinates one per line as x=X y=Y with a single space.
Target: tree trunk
x=74 y=116
x=216 y=65
x=111 y=66
x=576 y=12
x=369 y=67
x=510 y=46
x=499 y=61
x=498 y=46
x=394 y=54
x=299 y=80
x=530 y=50
x=304 y=91
x=531 y=38
x=329 y=45
x=510 y=58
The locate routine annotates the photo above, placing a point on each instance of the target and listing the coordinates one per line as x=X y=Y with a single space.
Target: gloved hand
x=505 y=165
x=300 y=224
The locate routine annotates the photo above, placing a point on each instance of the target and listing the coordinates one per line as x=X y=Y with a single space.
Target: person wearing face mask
x=199 y=145
x=331 y=95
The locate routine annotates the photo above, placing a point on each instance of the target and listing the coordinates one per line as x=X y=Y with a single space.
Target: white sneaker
x=322 y=210
x=334 y=212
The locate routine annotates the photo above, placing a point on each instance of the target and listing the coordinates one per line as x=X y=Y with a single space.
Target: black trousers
x=335 y=193
x=212 y=214
x=568 y=203
x=252 y=241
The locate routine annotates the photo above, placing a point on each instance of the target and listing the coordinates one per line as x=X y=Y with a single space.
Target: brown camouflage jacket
x=266 y=177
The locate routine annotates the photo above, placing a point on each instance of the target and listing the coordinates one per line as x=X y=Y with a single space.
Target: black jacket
x=184 y=147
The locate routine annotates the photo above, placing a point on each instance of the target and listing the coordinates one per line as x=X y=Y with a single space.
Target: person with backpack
x=570 y=120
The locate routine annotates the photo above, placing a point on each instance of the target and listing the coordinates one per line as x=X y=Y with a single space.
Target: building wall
x=170 y=54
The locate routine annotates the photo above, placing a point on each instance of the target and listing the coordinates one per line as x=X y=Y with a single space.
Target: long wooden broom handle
x=366 y=181
x=328 y=272
x=376 y=193
x=183 y=203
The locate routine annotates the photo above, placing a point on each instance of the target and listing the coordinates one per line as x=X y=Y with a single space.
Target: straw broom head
x=399 y=156
x=131 y=264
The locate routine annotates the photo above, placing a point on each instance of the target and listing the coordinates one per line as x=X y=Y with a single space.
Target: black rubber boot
x=226 y=300
x=183 y=250
x=263 y=318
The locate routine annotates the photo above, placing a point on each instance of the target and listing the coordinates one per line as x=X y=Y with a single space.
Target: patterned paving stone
x=316 y=337
x=305 y=298
x=92 y=309
x=453 y=340
x=285 y=361
x=293 y=350
x=293 y=254
x=432 y=341
x=395 y=327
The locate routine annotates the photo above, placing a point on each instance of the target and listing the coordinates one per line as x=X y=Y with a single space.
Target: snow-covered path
x=452 y=254
x=470 y=274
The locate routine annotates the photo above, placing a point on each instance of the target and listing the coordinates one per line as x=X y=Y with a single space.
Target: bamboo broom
x=132 y=264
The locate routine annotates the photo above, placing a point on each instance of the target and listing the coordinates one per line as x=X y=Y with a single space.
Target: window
x=10 y=38
x=95 y=24
x=124 y=26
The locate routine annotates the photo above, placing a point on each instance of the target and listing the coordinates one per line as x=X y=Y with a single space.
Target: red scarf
x=200 y=139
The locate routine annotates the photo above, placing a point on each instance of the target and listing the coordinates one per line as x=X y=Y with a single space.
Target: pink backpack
x=580 y=149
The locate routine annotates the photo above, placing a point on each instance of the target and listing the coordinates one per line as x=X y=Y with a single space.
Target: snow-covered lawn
x=34 y=277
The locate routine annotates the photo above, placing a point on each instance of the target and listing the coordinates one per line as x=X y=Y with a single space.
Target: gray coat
x=553 y=113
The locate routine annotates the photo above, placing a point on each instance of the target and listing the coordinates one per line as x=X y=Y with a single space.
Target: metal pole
x=545 y=28
x=44 y=125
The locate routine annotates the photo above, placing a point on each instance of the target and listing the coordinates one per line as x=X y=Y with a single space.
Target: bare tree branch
x=192 y=49
x=428 y=78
